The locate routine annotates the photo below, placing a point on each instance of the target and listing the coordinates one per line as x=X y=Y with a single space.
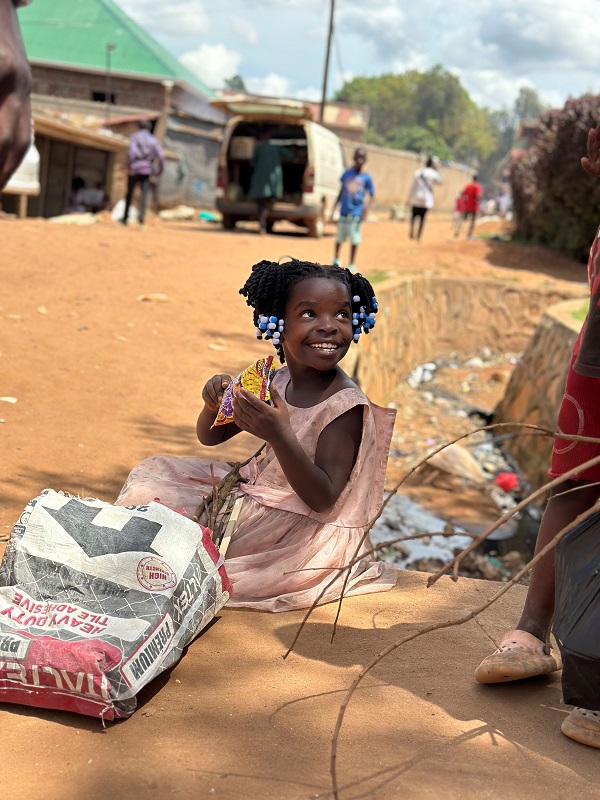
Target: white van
x=311 y=176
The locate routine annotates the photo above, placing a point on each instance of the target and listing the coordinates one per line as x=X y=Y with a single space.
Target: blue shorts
x=348 y=228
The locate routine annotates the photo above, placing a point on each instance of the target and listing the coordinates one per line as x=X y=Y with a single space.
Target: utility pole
x=327 y=54
x=109 y=49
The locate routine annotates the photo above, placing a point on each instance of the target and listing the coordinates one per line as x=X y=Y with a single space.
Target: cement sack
x=96 y=600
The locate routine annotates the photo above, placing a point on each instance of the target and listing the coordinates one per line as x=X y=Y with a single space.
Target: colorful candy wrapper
x=256 y=378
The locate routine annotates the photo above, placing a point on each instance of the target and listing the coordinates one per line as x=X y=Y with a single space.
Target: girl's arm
x=318 y=484
x=212 y=395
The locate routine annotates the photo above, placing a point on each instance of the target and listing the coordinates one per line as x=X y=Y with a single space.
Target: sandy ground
x=102 y=379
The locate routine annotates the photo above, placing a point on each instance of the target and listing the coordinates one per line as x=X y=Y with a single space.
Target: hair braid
x=269 y=285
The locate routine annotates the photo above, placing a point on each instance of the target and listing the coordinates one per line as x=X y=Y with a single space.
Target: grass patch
x=581 y=313
x=377 y=276
x=495 y=237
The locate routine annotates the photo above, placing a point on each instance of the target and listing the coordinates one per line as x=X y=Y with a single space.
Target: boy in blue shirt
x=354 y=205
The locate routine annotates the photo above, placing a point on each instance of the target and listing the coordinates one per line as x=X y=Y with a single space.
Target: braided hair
x=269 y=286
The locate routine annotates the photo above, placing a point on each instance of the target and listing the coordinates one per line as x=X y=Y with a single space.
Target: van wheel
x=315 y=228
x=228 y=222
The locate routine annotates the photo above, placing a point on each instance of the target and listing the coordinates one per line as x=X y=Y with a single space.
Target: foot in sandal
x=583 y=725
x=520 y=655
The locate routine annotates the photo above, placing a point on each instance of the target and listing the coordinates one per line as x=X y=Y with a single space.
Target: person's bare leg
x=263 y=211
x=525 y=651
x=353 y=249
x=561 y=509
x=471 y=226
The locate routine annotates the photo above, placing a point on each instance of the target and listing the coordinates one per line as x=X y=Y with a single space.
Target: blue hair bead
x=272 y=319
x=262 y=326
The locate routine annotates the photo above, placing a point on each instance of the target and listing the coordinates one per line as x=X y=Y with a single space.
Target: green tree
x=235 y=83
x=424 y=111
x=528 y=105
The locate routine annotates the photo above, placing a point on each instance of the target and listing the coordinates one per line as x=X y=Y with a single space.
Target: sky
x=494 y=47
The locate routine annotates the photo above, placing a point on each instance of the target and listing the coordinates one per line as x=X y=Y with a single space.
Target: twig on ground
x=446 y=624
x=534 y=429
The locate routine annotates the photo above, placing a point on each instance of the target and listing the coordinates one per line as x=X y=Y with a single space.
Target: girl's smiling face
x=317 y=324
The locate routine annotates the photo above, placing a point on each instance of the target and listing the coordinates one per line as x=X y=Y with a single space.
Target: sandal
x=583 y=725
x=520 y=655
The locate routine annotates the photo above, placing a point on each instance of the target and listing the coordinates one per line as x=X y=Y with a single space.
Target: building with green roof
x=93 y=66
x=78 y=32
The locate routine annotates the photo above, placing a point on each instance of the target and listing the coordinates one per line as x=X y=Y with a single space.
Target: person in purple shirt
x=145 y=158
x=354 y=204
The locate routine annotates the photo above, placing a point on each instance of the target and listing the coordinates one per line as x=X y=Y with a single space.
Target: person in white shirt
x=420 y=196
x=15 y=89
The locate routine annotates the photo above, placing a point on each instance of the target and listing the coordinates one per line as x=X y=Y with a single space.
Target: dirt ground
x=107 y=335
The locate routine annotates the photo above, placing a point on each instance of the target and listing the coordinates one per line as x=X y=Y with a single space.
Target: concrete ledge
x=537 y=383
x=234 y=721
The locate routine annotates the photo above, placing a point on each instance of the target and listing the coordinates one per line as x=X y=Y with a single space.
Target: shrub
x=557 y=203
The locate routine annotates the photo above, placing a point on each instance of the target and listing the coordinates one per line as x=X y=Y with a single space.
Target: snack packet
x=256 y=378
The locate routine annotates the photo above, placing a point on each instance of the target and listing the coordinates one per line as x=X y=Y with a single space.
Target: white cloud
x=272 y=85
x=212 y=63
x=244 y=29
x=186 y=18
x=496 y=46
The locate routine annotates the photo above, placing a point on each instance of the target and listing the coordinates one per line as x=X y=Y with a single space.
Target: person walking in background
x=266 y=182
x=354 y=205
x=15 y=88
x=420 y=196
x=459 y=210
x=471 y=200
x=144 y=158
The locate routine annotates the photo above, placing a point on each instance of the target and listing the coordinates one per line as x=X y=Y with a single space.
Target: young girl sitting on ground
x=308 y=499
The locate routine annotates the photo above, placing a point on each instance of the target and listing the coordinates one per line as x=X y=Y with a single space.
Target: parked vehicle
x=311 y=175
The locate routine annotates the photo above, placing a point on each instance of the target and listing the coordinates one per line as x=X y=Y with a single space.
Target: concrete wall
x=393 y=170
x=422 y=318
x=535 y=389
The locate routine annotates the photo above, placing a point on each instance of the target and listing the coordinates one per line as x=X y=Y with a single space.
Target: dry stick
x=532 y=430
x=536 y=430
x=447 y=624
x=220 y=490
x=455 y=562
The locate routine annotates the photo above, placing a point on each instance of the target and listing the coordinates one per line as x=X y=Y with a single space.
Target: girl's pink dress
x=282 y=553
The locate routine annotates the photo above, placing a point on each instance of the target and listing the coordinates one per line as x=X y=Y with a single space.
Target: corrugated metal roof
x=76 y=32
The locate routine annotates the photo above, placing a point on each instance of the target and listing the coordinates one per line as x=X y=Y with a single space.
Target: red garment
x=472 y=195
x=460 y=204
x=579 y=412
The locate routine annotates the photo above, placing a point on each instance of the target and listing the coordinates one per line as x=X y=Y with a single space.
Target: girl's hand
x=591 y=164
x=214 y=389
x=259 y=418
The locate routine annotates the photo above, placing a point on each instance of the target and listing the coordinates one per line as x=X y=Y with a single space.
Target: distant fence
x=393 y=170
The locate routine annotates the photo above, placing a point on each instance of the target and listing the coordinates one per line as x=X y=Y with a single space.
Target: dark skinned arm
x=335 y=205
x=317 y=484
x=212 y=395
